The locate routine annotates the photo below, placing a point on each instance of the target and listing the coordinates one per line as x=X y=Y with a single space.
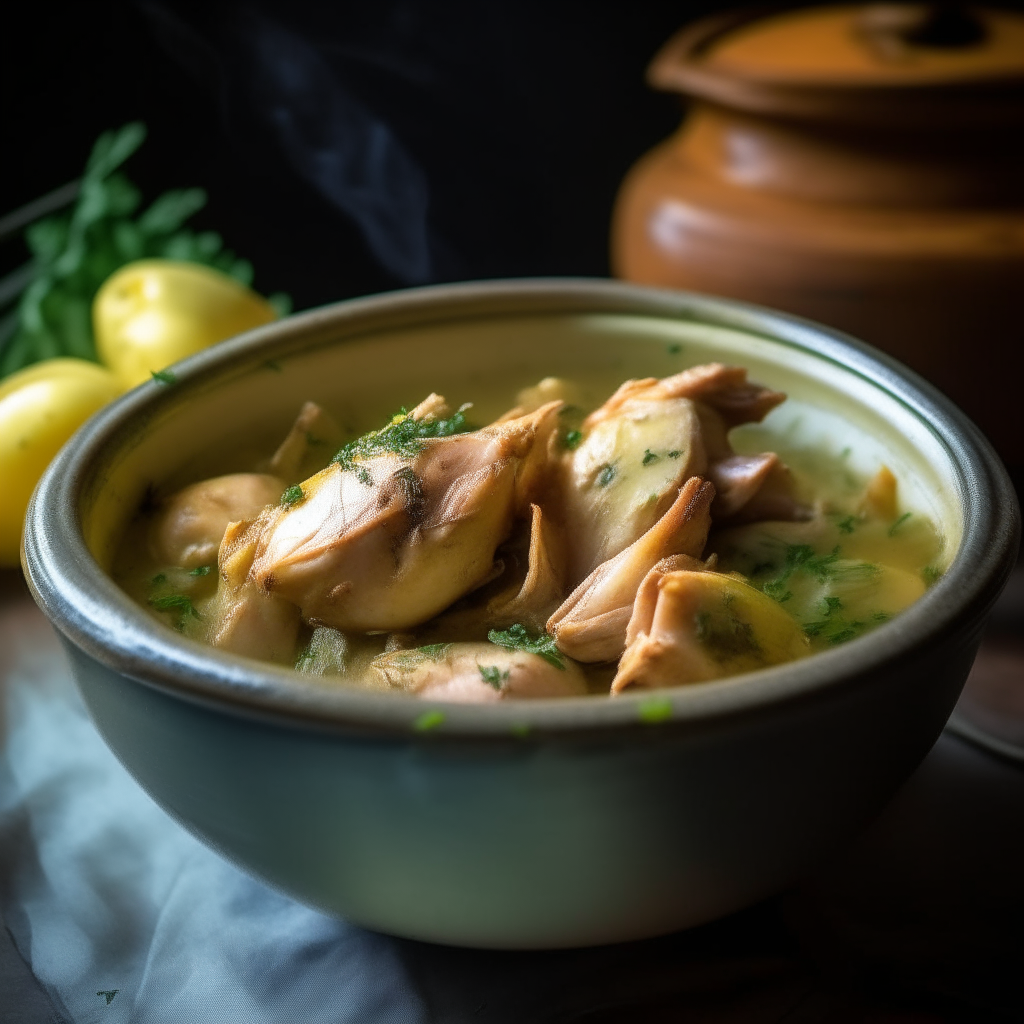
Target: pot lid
x=914 y=64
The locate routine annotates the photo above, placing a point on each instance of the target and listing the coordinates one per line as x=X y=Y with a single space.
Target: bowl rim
x=96 y=616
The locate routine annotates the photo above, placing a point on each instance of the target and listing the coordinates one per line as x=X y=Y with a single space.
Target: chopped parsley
x=726 y=636
x=675 y=453
x=650 y=457
x=606 y=476
x=493 y=676
x=847 y=525
x=675 y=348
x=403 y=436
x=292 y=496
x=435 y=652
x=160 y=577
x=176 y=603
x=200 y=570
x=899 y=522
x=519 y=638
x=572 y=439
x=930 y=574
x=654 y=710
x=163 y=377
x=428 y=720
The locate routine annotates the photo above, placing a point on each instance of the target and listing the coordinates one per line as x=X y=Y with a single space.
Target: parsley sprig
x=74 y=252
x=519 y=638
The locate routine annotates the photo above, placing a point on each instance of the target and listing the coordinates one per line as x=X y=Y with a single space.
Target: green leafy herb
x=572 y=439
x=726 y=636
x=650 y=457
x=847 y=525
x=519 y=638
x=163 y=377
x=75 y=251
x=675 y=453
x=160 y=577
x=435 y=651
x=674 y=349
x=428 y=720
x=403 y=436
x=654 y=710
x=292 y=496
x=201 y=570
x=176 y=603
x=493 y=676
x=899 y=522
x=606 y=476
x=832 y=605
x=930 y=574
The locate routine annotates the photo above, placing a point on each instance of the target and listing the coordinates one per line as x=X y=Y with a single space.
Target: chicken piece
x=688 y=627
x=643 y=444
x=187 y=530
x=241 y=619
x=533 y=597
x=476 y=673
x=391 y=541
x=312 y=440
x=550 y=389
x=591 y=623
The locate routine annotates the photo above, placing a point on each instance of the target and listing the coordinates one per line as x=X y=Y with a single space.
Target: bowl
x=537 y=824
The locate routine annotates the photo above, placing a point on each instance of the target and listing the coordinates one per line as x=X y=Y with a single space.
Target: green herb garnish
x=160 y=577
x=435 y=651
x=519 y=638
x=403 y=436
x=654 y=710
x=292 y=496
x=675 y=453
x=606 y=476
x=930 y=574
x=201 y=570
x=493 y=676
x=572 y=439
x=163 y=376
x=176 y=603
x=428 y=720
x=899 y=522
x=650 y=457
x=847 y=525
x=674 y=349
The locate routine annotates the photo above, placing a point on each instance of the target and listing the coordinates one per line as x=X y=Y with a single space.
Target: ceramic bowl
x=533 y=824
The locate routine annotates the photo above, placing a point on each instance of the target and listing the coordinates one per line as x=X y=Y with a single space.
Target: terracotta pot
x=858 y=165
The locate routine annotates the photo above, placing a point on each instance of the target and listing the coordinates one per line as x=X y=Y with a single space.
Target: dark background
x=470 y=139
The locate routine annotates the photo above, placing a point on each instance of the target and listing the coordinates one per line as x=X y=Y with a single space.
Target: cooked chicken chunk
x=591 y=623
x=643 y=444
x=188 y=529
x=396 y=538
x=688 y=627
x=477 y=673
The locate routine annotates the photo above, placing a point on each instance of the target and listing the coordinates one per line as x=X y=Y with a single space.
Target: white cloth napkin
x=123 y=916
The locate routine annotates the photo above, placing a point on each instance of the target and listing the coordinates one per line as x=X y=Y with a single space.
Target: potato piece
x=476 y=673
x=688 y=627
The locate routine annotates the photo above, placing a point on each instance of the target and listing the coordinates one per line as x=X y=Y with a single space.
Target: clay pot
x=858 y=165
